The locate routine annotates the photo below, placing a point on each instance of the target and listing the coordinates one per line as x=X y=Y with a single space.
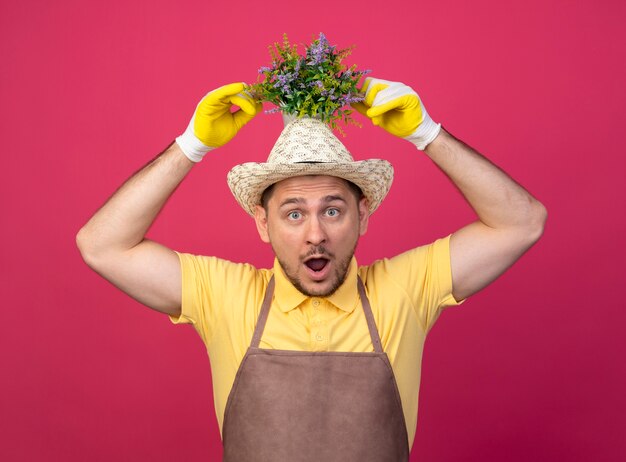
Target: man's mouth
x=316 y=264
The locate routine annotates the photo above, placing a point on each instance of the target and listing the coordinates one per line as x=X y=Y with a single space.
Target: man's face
x=313 y=224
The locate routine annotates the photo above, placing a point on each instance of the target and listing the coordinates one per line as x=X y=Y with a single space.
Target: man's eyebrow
x=300 y=200
x=291 y=200
x=334 y=198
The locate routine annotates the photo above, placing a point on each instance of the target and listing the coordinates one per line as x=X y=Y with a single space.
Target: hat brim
x=248 y=181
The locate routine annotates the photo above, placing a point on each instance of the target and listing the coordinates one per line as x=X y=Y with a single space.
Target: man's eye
x=332 y=212
x=294 y=215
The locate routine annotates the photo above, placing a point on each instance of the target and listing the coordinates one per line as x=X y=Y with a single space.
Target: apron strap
x=262 y=319
x=267 y=301
x=371 y=325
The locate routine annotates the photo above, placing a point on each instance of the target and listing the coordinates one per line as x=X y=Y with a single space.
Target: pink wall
x=531 y=369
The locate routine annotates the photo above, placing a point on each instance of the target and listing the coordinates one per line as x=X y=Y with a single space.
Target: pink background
x=531 y=369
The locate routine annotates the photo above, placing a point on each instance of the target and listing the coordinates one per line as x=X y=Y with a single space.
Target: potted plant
x=316 y=84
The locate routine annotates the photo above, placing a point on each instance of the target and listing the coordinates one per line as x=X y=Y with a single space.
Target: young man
x=316 y=358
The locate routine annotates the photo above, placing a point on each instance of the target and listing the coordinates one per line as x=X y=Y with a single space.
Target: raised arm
x=113 y=241
x=510 y=220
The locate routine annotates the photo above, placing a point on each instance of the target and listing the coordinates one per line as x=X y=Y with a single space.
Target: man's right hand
x=213 y=124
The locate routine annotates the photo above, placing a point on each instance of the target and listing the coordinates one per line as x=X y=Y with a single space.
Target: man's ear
x=260 y=217
x=364 y=215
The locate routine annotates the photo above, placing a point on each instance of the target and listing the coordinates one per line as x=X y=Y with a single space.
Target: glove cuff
x=425 y=133
x=191 y=146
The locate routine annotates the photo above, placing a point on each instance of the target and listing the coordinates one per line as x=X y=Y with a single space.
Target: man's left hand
x=398 y=109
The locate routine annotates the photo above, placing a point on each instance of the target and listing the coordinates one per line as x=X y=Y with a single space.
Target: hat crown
x=308 y=140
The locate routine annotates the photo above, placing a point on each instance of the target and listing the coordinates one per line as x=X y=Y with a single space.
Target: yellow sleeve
x=209 y=285
x=195 y=295
x=425 y=274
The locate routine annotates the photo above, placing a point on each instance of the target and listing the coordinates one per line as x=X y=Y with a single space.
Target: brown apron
x=301 y=406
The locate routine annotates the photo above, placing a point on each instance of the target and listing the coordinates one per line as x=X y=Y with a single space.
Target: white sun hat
x=308 y=146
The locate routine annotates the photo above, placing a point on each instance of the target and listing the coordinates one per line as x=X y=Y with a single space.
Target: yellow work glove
x=213 y=124
x=396 y=108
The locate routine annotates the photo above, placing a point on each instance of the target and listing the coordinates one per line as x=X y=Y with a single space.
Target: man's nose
x=316 y=233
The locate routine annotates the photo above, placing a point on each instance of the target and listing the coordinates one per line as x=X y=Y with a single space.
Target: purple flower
x=330 y=94
x=322 y=40
x=317 y=56
x=349 y=99
x=318 y=51
x=283 y=81
x=264 y=69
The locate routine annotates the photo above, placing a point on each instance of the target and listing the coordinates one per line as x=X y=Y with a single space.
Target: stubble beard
x=339 y=274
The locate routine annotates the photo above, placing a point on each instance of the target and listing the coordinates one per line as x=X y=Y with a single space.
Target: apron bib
x=300 y=406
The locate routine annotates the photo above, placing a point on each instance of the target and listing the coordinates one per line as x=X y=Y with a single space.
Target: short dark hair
x=267 y=194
